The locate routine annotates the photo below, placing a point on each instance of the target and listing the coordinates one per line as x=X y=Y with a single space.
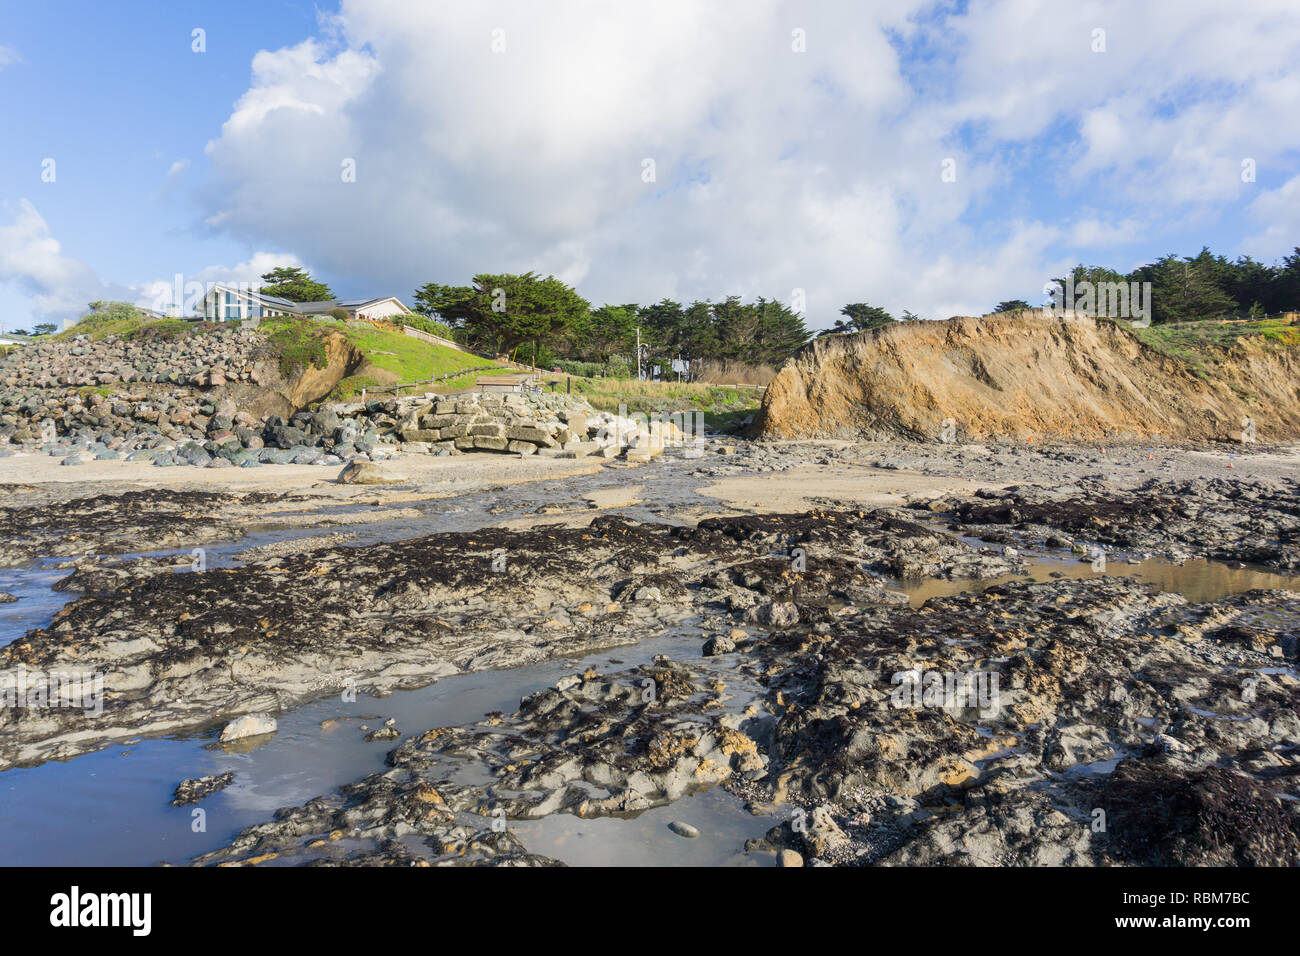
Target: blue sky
x=776 y=169
x=116 y=98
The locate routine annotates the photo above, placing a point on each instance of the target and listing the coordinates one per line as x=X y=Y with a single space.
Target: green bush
x=581 y=369
x=300 y=344
x=616 y=367
x=426 y=324
x=167 y=329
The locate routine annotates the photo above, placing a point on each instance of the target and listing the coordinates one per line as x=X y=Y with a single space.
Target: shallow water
x=645 y=840
x=112 y=807
x=36 y=603
x=1198 y=580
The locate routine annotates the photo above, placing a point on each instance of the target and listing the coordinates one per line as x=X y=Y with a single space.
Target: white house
x=229 y=302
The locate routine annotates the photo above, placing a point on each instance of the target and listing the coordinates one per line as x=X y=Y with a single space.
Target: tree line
x=1206 y=286
x=545 y=321
x=1183 y=289
x=1202 y=287
x=528 y=315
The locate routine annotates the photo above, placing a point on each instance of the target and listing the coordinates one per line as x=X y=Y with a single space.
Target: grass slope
x=1203 y=345
x=397 y=356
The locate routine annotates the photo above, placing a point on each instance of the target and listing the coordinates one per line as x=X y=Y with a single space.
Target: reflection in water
x=645 y=840
x=1197 y=580
x=110 y=808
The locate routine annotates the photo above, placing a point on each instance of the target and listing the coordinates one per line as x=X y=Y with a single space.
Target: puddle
x=1209 y=713
x=645 y=840
x=1198 y=580
x=36 y=605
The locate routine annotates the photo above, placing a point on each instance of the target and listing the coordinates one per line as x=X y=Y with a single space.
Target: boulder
x=363 y=473
x=250 y=725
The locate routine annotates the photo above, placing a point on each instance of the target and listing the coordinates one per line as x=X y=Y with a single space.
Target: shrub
x=166 y=329
x=300 y=344
x=426 y=324
x=581 y=369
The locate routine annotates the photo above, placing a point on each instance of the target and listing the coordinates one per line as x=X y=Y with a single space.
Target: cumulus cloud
x=412 y=143
x=179 y=294
x=32 y=260
x=1279 y=211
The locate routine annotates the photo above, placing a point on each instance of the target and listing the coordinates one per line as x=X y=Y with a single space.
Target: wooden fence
x=425 y=383
x=437 y=340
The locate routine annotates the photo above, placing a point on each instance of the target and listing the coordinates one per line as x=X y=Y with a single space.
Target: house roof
x=274 y=300
x=310 y=308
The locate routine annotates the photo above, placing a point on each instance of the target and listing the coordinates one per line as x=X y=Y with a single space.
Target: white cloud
x=32 y=260
x=8 y=55
x=1279 y=212
x=1168 y=110
x=775 y=170
x=161 y=294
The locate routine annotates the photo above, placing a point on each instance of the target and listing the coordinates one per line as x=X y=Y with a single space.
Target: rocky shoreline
x=1042 y=720
x=204 y=400
x=1129 y=728
x=178 y=649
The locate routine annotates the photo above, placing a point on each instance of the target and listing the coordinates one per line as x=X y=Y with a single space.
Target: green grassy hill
x=392 y=356
x=101 y=327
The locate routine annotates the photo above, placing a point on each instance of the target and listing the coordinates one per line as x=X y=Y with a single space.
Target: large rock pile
x=526 y=424
x=175 y=401
x=202 y=358
x=188 y=427
x=504 y=423
x=131 y=416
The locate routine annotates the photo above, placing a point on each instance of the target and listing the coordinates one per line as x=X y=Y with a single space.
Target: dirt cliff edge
x=1025 y=376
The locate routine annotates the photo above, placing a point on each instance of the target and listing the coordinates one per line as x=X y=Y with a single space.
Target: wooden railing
x=425 y=383
x=437 y=340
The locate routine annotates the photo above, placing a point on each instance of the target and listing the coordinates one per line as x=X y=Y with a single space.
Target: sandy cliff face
x=1024 y=376
x=276 y=395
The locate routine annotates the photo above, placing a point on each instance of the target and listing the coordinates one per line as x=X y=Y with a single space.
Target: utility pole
x=638 y=353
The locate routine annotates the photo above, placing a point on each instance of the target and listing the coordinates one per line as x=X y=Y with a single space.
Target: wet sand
x=414 y=476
